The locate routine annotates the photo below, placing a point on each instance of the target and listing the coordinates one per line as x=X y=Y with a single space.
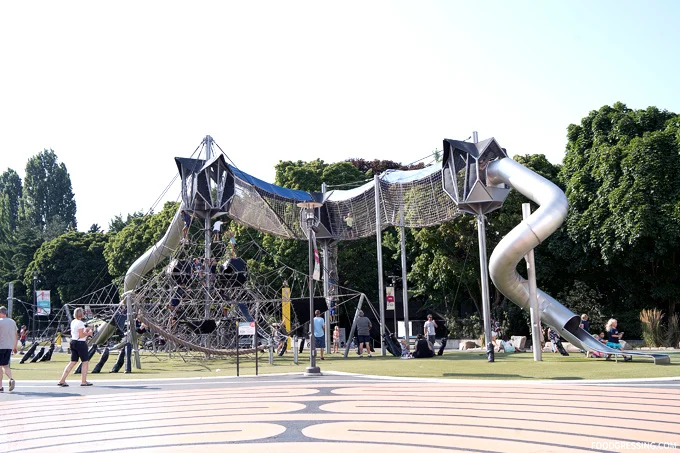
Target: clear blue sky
x=134 y=84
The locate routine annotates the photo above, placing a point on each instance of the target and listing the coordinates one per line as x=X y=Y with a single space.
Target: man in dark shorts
x=8 y=346
x=364 y=333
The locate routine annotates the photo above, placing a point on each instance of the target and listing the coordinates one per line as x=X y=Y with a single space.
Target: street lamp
x=308 y=210
x=35 y=301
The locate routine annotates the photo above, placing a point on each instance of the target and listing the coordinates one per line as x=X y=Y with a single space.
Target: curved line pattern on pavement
x=395 y=416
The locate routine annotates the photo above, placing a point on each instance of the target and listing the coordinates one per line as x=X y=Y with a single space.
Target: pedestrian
x=319 y=332
x=336 y=339
x=232 y=243
x=429 y=331
x=364 y=333
x=187 y=223
x=22 y=336
x=8 y=346
x=79 y=334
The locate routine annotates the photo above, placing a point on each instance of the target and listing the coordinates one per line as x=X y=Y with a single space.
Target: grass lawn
x=453 y=365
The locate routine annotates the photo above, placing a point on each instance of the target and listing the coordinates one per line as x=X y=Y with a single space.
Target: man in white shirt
x=429 y=331
x=8 y=346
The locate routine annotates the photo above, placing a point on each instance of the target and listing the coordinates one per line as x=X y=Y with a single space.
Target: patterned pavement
x=326 y=415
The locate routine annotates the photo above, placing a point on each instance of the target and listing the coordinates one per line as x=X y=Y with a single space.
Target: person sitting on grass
x=405 y=353
x=506 y=345
x=423 y=348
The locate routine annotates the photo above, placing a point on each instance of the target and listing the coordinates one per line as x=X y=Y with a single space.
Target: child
x=405 y=354
x=615 y=337
x=336 y=339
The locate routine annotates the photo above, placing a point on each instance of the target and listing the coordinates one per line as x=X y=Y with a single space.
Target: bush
x=653 y=332
x=673 y=331
x=470 y=327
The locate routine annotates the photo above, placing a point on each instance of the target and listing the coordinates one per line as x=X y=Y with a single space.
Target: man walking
x=364 y=333
x=319 y=332
x=8 y=346
x=429 y=327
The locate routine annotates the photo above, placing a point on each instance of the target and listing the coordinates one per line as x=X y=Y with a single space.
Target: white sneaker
x=369 y=354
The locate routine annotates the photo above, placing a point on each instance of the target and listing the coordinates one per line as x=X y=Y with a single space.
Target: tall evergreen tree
x=10 y=197
x=48 y=200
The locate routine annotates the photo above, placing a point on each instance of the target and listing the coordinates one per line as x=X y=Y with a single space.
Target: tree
x=117 y=223
x=622 y=177
x=125 y=246
x=47 y=194
x=71 y=266
x=10 y=197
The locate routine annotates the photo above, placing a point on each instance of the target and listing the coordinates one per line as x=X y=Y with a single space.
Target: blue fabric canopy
x=297 y=195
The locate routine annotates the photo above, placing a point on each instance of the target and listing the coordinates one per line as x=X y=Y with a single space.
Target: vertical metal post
x=326 y=294
x=35 y=302
x=312 y=369
x=484 y=271
x=255 y=339
x=326 y=286
x=131 y=326
x=10 y=299
x=404 y=283
x=533 y=296
x=295 y=349
x=381 y=283
x=238 y=356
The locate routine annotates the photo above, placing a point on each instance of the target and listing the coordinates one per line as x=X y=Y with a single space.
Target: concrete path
x=340 y=413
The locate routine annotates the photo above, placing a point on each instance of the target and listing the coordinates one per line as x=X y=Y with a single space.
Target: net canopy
x=411 y=198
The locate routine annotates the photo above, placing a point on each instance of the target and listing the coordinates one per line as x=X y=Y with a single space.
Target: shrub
x=653 y=332
x=673 y=331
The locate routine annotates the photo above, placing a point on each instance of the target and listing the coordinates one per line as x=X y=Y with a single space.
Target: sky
x=118 y=89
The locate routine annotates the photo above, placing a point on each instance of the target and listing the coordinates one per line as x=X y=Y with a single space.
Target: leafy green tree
x=622 y=178
x=47 y=194
x=71 y=266
x=117 y=223
x=125 y=246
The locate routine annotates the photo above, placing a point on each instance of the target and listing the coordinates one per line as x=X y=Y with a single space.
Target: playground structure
x=193 y=291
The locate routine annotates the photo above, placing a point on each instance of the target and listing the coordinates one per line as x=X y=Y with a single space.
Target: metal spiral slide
x=526 y=236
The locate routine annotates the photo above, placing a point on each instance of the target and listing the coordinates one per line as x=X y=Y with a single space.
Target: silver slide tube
x=526 y=236
x=159 y=251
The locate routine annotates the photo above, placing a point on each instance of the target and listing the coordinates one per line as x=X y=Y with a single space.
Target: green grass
x=453 y=365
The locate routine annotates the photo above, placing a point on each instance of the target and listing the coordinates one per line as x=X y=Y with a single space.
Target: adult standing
x=319 y=332
x=364 y=333
x=79 y=334
x=429 y=331
x=8 y=346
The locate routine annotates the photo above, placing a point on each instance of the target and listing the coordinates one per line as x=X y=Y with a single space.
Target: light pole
x=35 y=301
x=308 y=210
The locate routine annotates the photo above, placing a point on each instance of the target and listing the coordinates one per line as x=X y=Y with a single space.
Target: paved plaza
x=340 y=413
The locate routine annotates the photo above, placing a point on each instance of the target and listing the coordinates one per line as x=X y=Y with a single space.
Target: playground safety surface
x=340 y=413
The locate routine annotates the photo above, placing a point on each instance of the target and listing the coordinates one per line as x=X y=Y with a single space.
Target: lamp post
x=35 y=301
x=308 y=210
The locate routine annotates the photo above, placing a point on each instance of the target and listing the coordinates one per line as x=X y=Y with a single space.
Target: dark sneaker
x=11 y=385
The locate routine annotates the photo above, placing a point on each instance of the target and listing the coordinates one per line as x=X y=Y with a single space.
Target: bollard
x=295 y=350
x=489 y=352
